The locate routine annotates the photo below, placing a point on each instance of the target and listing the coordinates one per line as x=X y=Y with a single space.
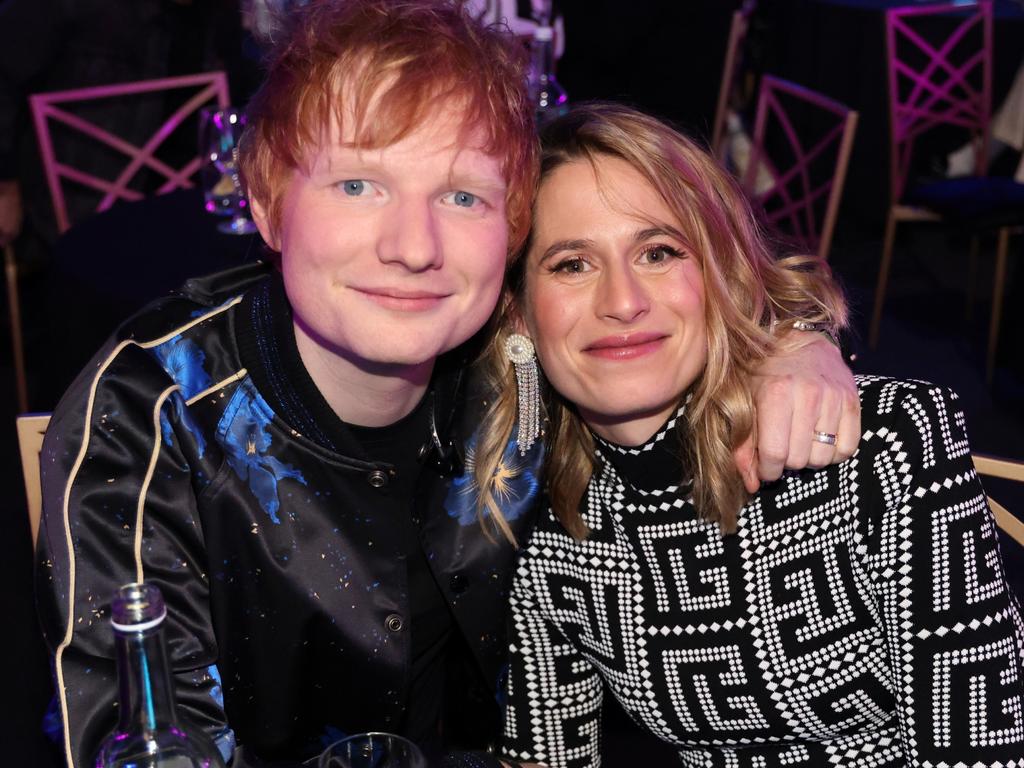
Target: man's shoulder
x=184 y=339
x=200 y=298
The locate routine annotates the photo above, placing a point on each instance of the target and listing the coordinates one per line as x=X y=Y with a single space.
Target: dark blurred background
x=664 y=56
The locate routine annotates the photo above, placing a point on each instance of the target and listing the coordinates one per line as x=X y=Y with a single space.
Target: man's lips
x=625 y=346
x=402 y=299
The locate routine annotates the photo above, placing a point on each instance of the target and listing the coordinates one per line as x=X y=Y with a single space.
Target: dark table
x=109 y=266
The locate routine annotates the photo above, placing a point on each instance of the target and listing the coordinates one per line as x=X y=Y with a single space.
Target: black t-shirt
x=432 y=623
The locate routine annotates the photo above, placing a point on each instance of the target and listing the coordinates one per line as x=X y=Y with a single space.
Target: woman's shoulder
x=884 y=399
x=916 y=417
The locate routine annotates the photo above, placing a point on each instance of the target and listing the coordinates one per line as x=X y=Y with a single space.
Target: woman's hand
x=804 y=390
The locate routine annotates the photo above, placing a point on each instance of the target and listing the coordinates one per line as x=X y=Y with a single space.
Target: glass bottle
x=549 y=98
x=149 y=733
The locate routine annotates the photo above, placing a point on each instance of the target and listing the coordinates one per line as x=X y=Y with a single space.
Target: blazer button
x=394 y=623
x=377 y=478
x=458 y=583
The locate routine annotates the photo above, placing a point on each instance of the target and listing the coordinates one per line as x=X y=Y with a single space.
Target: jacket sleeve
x=120 y=505
x=554 y=701
x=953 y=628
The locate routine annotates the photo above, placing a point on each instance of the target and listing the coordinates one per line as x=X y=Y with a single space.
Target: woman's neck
x=631 y=429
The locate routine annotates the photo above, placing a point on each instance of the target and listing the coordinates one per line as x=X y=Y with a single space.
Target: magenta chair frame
x=952 y=88
x=212 y=87
x=956 y=100
x=793 y=202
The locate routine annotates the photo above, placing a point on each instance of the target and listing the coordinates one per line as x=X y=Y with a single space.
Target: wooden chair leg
x=972 y=277
x=17 y=340
x=883 y=279
x=1002 y=249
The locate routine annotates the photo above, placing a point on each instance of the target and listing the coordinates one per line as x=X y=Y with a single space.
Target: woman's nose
x=622 y=295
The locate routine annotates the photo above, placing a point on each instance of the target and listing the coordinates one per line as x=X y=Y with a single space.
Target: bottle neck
x=542 y=54
x=146 y=694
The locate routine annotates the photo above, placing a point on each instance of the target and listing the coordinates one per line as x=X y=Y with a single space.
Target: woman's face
x=614 y=299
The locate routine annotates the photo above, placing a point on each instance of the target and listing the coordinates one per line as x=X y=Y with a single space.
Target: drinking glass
x=373 y=750
x=219 y=132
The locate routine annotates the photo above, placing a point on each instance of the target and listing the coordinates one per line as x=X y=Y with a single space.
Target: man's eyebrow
x=484 y=181
x=565 y=245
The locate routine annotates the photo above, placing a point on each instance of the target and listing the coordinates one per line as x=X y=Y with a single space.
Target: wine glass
x=373 y=750
x=219 y=132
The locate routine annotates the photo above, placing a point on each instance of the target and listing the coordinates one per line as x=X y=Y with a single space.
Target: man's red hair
x=387 y=65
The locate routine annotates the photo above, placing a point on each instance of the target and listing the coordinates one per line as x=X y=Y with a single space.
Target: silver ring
x=825 y=437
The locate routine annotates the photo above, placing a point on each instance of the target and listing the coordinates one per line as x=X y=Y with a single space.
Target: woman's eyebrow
x=565 y=245
x=647 y=233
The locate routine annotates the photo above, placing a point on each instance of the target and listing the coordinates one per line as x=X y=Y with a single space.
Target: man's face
x=393 y=256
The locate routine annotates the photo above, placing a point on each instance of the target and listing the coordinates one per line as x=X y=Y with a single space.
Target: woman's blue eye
x=354 y=187
x=465 y=199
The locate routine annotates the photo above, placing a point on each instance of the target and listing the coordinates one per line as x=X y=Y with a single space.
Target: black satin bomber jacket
x=283 y=572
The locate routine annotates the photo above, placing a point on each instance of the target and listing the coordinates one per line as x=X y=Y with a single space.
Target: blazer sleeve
x=554 y=701
x=953 y=628
x=120 y=505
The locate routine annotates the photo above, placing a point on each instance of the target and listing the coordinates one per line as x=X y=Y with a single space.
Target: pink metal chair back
x=49 y=108
x=806 y=166
x=938 y=75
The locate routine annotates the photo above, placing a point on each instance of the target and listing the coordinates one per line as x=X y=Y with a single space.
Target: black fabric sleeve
x=119 y=505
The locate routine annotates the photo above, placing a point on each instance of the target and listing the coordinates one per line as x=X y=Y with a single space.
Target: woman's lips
x=625 y=346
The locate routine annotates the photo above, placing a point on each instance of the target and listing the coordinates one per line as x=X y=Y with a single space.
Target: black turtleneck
x=658 y=463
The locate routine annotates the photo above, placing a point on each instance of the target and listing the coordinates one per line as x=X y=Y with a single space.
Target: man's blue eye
x=465 y=199
x=354 y=187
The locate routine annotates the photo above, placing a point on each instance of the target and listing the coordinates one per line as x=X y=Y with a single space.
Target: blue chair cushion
x=973 y=201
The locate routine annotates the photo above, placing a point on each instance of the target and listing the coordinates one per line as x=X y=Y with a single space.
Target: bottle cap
x=137 y=607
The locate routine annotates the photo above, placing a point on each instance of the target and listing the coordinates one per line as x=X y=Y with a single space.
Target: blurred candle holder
x=373 y=750
x=548 y=96
x=223 y=194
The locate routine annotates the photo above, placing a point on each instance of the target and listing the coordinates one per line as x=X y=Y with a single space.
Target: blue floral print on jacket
x=246 y=436
x=183 y=361
x=516 y=485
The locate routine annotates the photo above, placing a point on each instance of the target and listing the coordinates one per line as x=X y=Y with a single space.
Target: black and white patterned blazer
x=859 y=616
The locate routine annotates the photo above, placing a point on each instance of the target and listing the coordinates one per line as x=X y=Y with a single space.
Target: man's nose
x=411 y=238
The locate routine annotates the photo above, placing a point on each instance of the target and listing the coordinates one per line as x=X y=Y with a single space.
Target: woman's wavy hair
x=751 y=298
x=387 y=65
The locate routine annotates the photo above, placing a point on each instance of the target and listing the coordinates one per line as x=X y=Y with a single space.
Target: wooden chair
x=31 y=428
x=730 y=74
x=806 y=165
x=17 y=337
x=940 y=77
x=1005 y=469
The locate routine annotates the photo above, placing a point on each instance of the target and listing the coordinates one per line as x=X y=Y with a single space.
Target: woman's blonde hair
x=750 y=298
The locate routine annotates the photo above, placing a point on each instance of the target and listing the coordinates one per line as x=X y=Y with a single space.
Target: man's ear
x=262 y=220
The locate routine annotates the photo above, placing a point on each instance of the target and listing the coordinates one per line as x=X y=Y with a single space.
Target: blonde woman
x=855 y=615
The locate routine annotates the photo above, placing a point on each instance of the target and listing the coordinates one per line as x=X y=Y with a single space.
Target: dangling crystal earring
x=520 y=352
